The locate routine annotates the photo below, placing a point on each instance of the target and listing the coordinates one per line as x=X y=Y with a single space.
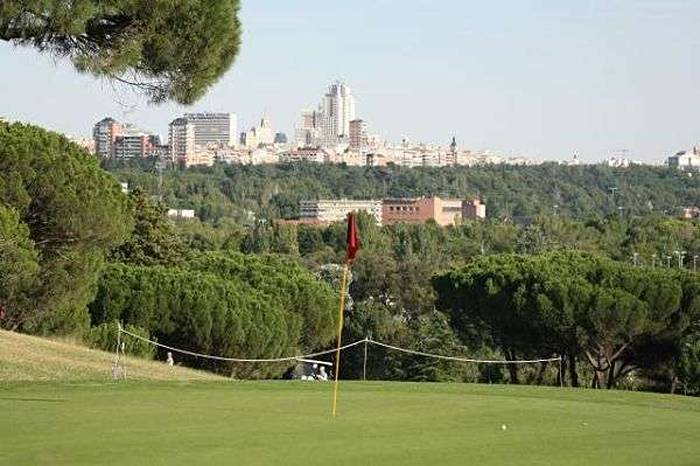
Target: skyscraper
x=337 y=109
x=213 y=128
x=330 y=124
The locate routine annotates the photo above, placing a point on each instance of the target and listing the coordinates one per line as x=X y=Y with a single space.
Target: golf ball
x=504 y=427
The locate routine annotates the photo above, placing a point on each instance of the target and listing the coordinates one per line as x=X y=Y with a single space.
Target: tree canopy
x=614 y=315
x=18 y=266
x=66 y=214
x=154 y=240
x=168 y=50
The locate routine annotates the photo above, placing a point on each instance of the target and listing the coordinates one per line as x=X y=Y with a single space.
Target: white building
x=685 y=160
x=181 y=213
x=261 y=134
x=328 y=211
x=337 y=110
x=213 y=129
x=181 y=138
x=330 y=124
x=308 y=130
x=306 y=154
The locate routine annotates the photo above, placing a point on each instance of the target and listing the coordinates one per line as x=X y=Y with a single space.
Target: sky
x=543 y=78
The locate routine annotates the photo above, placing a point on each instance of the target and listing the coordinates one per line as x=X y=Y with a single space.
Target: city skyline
x=543 y=80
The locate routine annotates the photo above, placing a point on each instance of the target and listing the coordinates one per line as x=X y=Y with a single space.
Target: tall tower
x=453 y=151
x=338 y=110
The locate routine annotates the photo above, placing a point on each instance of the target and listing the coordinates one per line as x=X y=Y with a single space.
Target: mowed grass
x=289 y=423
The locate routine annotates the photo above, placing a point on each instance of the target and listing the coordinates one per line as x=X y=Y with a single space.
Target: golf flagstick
x=353 y=244
x=343 y=285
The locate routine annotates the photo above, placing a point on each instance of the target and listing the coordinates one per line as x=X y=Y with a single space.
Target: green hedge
x=288 y=282
x=251 y=312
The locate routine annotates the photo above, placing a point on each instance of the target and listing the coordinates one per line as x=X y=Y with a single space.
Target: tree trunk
x=512 y=368
x=561 y=379
x=611 y=376
x=572 y=371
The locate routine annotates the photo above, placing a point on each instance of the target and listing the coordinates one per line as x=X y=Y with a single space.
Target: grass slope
x=28 y=358
x=378 y=424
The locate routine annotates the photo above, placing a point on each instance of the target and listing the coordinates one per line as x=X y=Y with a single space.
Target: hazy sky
x=543 y=78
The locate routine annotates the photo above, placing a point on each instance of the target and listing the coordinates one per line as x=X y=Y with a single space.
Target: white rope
x=460 y=359
x=221 y=358
x=344 y=347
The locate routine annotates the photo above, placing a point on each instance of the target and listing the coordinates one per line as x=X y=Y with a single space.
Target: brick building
x=419 y=210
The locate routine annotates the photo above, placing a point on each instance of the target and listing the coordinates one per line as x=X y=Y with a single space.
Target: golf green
x=378 y=423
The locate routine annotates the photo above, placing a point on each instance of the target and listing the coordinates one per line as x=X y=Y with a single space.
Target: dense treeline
x=274 y=191
x=616 y=317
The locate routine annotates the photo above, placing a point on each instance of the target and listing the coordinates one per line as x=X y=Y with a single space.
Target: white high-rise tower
x=338 y=110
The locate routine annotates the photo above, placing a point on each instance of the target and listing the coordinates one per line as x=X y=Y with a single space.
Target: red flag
x=353 y=239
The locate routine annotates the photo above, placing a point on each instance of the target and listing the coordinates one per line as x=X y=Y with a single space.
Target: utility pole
x=695 y=263
x=653 y=260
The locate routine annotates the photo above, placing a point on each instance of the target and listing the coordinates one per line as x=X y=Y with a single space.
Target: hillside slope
x=29 y=358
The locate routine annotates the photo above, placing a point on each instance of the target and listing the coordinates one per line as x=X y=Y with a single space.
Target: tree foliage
x=74 y=213
x=287 y=282
x=154 y=239
x=515 y=192
x=235 y=306
x=168 y=50
x=613 y=315
x=18 y=267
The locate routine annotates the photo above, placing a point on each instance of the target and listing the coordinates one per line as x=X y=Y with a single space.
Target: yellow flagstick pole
x=343 y=284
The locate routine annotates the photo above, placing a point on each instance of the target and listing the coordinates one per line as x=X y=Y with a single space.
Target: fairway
x=378 y=423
